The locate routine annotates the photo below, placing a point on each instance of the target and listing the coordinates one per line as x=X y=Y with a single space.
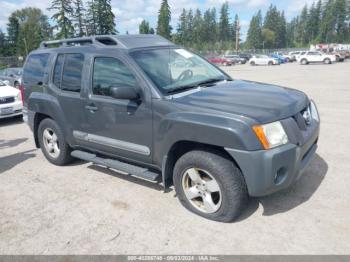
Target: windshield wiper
x=205 y=83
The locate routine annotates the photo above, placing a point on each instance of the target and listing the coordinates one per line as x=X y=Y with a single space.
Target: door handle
x=91 y=108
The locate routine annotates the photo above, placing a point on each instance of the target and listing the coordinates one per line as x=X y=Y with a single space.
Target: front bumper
x=16 y=109
x=269 y=171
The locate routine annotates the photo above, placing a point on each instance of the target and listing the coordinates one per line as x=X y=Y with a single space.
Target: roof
x=117 y=41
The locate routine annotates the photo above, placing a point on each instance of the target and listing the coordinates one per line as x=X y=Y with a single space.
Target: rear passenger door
x=67 y=84
x=116 y=126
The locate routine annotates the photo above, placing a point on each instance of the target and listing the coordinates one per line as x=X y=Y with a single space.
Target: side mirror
x=125 y=92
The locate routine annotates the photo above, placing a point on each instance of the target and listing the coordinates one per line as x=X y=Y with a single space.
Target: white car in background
x=316 y=57
x=263 y=60
x=11 y=104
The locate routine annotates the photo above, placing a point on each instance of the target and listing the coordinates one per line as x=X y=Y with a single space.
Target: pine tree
x=13 y=33
x=197 y=37
x=225 y=32
x=144 y=27
x=63 y=17
x=254 y=37
x=105 y=18
x=91 y=19
x=181 y=28
x=79 y=13
x=164 y=18
x=328 y=22
x=302 y=35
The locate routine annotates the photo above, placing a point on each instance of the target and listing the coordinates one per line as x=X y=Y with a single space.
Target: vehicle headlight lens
x=314 y=112
x=18 y=97
x=271 y=135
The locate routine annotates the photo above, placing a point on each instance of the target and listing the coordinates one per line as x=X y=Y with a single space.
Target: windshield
x=2 y=83
x=15 y=71
x=175 y=70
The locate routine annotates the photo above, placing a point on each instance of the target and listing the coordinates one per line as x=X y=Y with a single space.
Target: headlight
x=19 y=97
x=271 y=135
x=314 y=112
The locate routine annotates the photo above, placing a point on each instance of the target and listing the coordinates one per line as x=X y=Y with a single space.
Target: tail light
x=21 y=89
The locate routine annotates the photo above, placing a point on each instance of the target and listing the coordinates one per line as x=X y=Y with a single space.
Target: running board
x=132 y=170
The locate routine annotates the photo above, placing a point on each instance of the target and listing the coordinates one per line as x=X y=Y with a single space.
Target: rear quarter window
x=34 y=69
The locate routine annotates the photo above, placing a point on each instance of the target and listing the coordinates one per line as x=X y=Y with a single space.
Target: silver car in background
x=12 y=76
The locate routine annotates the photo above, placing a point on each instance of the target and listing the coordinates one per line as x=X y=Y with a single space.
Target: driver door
x=119 y=127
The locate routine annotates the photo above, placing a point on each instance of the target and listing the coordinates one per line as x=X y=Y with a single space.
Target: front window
x=176 y=70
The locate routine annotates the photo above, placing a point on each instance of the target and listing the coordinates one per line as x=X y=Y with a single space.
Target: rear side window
x=34 y=68
x=72 y=72
x=57 y=74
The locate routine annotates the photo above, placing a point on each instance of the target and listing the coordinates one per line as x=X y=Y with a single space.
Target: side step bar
x=132 y=170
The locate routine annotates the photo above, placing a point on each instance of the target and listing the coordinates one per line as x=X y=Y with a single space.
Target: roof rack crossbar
x=93 y=40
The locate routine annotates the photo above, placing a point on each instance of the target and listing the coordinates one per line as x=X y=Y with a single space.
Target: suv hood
x=263 y=102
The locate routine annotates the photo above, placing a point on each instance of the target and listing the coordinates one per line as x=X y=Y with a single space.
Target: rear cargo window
x=72 y=72
x=34 y=69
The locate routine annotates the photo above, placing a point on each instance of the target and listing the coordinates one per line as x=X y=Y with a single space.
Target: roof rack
x=97 y=41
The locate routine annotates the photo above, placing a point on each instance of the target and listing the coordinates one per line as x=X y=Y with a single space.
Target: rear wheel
x=327 y=61
x=270 y=63
x=304 y=62
x=252 y=63
x=210 y=185
x=53 y=144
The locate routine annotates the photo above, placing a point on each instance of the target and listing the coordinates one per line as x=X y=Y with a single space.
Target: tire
x=232 y=197
x=270 y=63
x=304 y=62
x=252 y=63
x=63 y=156
x=327 y=61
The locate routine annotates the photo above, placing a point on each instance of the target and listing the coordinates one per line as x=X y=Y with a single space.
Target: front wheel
x=252 y=63
x=53 y=144
x=210 y=185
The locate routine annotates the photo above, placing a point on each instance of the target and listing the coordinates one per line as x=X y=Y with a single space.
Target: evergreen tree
x=63 y=17
x=78 y=14
x=105 y=18
x=225 y=32
x=13 y=32
x=254 y=37
x=164 y=18
x=313 y=24
x=189 y=29
x=144 y=27
x=302 y=35
x=100 y=18
x=181 y=28
x=197 y=36
x=328 y=22
x=341 y=28
x=91 y=18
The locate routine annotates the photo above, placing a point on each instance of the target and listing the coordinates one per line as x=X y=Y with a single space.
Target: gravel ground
x=84 y=209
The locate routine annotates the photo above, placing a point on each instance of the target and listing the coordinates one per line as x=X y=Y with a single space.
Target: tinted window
x=72 y=71
x=109 y=72
x=57 y=74
x=35 y=68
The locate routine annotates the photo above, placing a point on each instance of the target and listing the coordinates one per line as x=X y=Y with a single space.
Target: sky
x=130 y=13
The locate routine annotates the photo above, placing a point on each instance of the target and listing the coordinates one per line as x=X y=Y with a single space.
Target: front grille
x=301 y=118
x=7 y=100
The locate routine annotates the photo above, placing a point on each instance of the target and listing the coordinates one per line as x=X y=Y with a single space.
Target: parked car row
x=12 y=76
x=301 y=57
x=11 y=104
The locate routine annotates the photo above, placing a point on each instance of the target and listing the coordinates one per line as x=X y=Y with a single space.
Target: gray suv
x=124 y=102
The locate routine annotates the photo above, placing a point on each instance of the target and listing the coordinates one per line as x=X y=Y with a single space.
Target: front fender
x=202 y=128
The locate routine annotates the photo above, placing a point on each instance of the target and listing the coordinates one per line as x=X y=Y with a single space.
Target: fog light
x=280 y=176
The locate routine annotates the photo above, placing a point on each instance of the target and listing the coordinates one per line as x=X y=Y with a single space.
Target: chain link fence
x=11 y=61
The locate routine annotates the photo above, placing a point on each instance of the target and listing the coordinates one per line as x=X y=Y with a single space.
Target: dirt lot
x=84 y=209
